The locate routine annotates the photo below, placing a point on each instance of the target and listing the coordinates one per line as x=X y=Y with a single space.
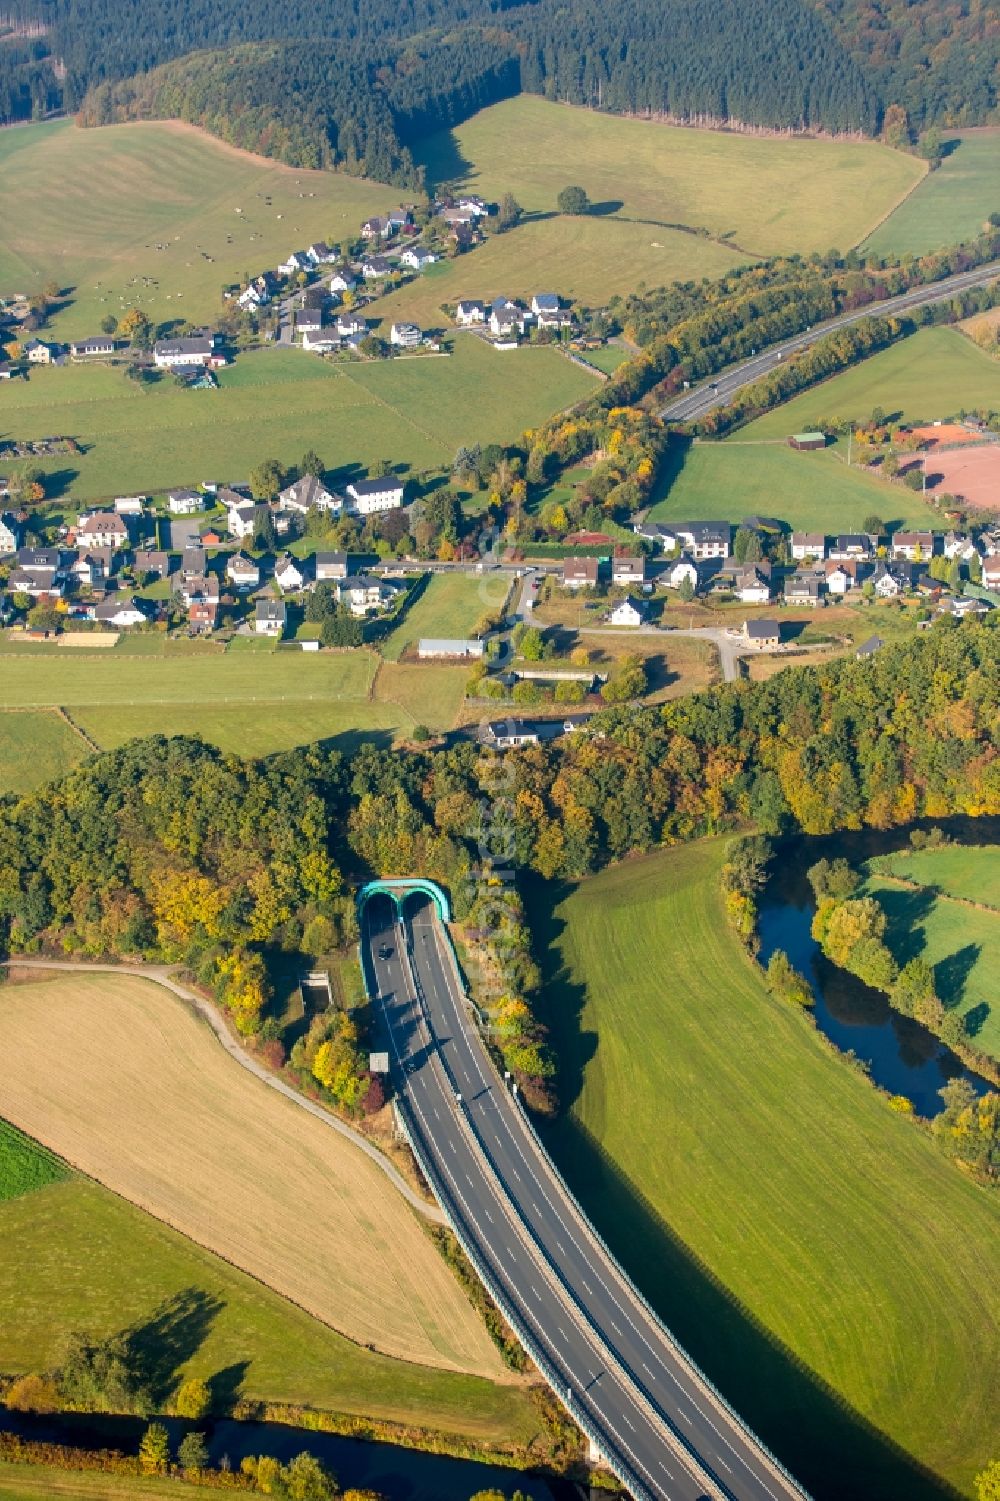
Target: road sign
x=378 y=1063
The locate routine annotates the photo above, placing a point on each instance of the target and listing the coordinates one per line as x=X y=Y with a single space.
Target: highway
x=724 y=386
x=663 y=1429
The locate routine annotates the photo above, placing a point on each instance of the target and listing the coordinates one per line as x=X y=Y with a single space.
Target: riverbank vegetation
x=803 y=1241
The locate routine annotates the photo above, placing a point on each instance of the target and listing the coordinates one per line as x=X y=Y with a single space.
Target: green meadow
x=948 y=205
x=36 y=746
x=159 y=216
x=449 y=608
x=831 y=1271
x=935 y=922
x=811 y=491
x=276 y=404
x=928 y=376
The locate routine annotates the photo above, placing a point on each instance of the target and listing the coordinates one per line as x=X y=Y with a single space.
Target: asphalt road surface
x=664 y=1430
x=705 y=398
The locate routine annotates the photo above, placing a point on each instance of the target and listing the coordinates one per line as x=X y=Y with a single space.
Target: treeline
x=168 y=849
x=318 y=105
x=29 y=89
x=774 y=64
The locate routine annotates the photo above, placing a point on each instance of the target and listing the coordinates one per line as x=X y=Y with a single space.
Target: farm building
x=431 y=647
x=807 y=442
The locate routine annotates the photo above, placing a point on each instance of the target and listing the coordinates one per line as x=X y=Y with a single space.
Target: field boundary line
x=64 y=715
x=937 y=892
x=161 y=975
x=888 y=215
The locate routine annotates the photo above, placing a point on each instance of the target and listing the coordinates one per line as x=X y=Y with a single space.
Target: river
x=902 y=1056
x=398 y=1474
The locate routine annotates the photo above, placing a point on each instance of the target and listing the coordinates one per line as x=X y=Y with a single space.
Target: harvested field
x=971 y=474
x=146 y=1101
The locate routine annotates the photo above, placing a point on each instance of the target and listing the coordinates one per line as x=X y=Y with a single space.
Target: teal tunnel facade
x=399 y=888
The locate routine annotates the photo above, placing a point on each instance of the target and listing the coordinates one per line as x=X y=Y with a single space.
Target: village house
x=185 y=502
x=852 y=547
x=331 y=566
x=37 y=352
x=808 y=545
x=351 y=325
x=130 y=505
x=762 y=635
x=703 y=539
x=752 y=583
x=364 y=593
x=289 y=574
x=100 y=347
x=656 y=532
x=805 y=589
x=631 y=612
x=890 y=581
x=469 y=313
x=841 y=578
x=119 y=613
x=405 y=335
x=913 y=546
x=962 y=606
x=192 y=586
x=509 y=734
x=960 y=546
x=308 y=319
x=243 y=520
x=199 y=349
x=148 y=562
x=242 y=572
x=343 y=280
x=375 y=266
x=36 y=584
x=92 y=566
x=309 y=494
x=368 y=496
x=991 y=572
x=270 y=616
x=417 y=257
x=203 y=616
x=321 y=340
x=194 y=561
x=869 y=648
x=101 y=529
x=296 y=262
x=320 y=253
x=549 y=312
x=11 y=532
x=508 y=317
x=684 y=571
x=626 y=573
x=580 y=573
x=376 y=228
x=39 y=571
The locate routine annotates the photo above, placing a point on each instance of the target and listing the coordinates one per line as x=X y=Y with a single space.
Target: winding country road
x=647 y=1409
x=724 y=386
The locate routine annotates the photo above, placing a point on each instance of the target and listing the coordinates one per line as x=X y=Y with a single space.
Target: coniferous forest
x=357 y=86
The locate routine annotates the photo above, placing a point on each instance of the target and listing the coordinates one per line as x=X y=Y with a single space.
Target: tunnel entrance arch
x=399 y=888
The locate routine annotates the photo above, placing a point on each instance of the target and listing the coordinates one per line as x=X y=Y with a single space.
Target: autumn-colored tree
x=154 y=1450
x=192 y=1453
x=193 y=1399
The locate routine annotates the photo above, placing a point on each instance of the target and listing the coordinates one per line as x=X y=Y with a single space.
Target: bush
x=573 y=201
x=193 y=1400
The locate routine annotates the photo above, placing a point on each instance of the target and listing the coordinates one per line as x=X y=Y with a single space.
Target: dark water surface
x=902 y=1056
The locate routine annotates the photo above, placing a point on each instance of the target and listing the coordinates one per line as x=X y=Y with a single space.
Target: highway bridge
x=647 y=1410
x=720 y=390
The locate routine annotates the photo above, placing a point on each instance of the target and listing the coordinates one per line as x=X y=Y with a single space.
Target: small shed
x=806 y=442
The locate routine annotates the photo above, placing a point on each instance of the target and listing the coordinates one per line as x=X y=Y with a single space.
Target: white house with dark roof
x=196 y=350
x=343 y=280
x=185 y=502
x=11 y=532
x=308 y=319
x=704 y=539
x=297 y=261
x=469 y=313
x=808 y=545
x=405 y=335
x=762 y=635
x=375 y=266
x=119 y=613
x=368 y=496
x=417 y=257
x=365 y=594
x=242 y=572
x=309 y=494
x=270 y=616
x=320 y=253
x=101 y=529
x=99 y=347
x=631 y=612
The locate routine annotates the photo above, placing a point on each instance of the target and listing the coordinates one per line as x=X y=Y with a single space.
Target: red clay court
x=945 y=432
x=972 y=474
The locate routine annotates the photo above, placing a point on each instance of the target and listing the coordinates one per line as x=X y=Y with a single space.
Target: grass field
x=832 y=1272
x=29 y=1483
x=64 y=1250
x=950 y=204
x=146 y=215
x=762 y=194
x=928 y=376
x=249 y=702
x=811 y=491
x=24 y=1166
x=959 y=941
x=178 y=1128
x=448 y=608
x=36 y=747
x=279 y=402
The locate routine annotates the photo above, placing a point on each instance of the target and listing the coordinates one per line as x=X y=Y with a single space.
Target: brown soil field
x=973 y=474
x=126 y=1083
x=945 y=432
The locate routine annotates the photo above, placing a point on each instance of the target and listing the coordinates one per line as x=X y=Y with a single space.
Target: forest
x=169 y=849
x=359 y=86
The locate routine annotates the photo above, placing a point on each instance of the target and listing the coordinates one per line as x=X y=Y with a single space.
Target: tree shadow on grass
x=906 y=912
x=171 y=1336
x=951 y=974
x=976 y=1018
x=831 y=1449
